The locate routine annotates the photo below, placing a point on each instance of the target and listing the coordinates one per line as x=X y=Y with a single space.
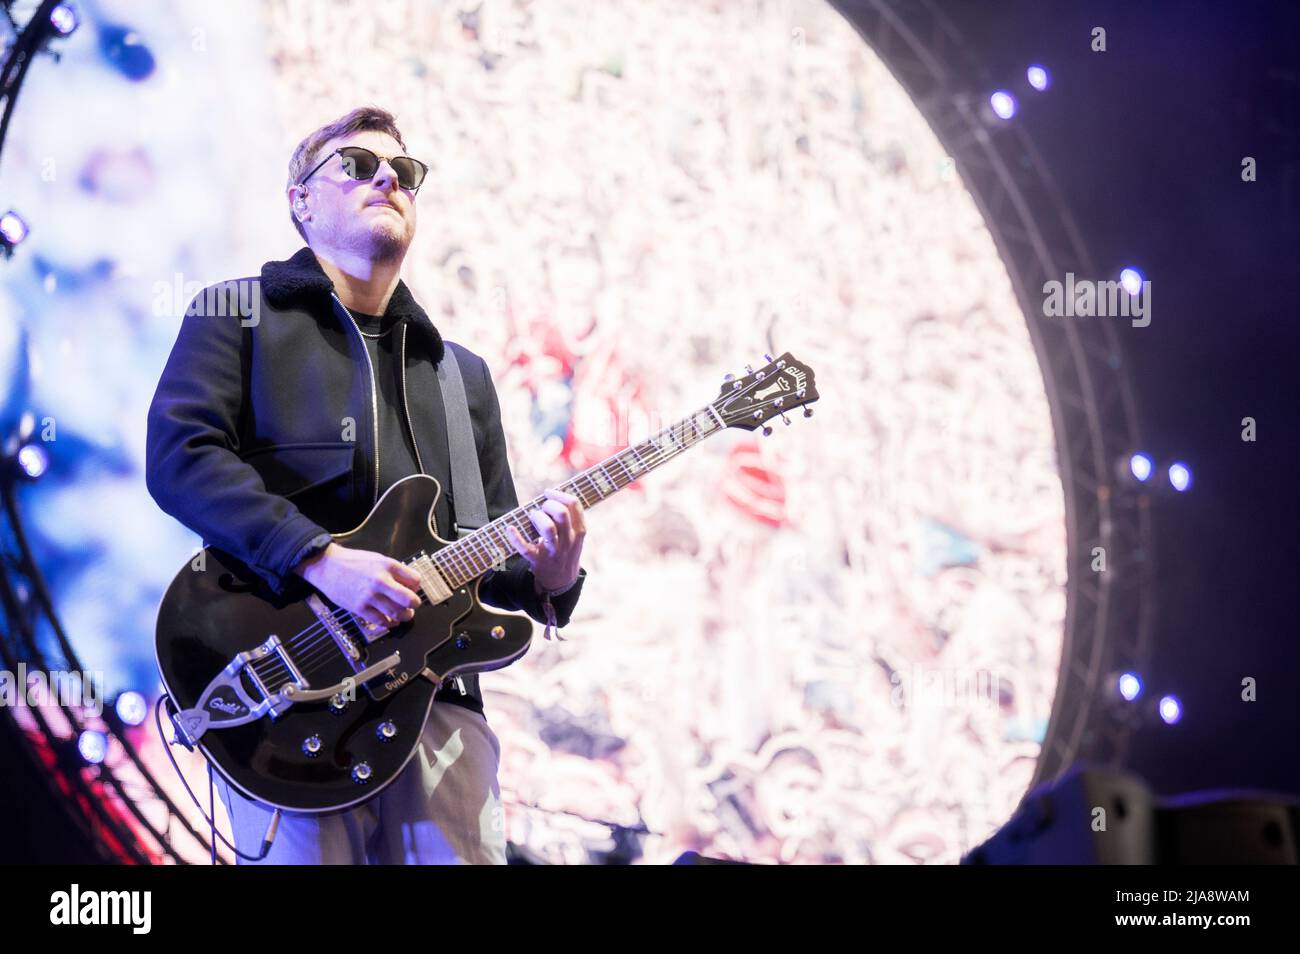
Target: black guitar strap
x=468 y=498
x=466 y=478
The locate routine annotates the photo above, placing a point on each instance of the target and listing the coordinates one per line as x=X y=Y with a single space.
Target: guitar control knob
x=311 y=746
x=361 y=773
x=338 y=703
x=386 y=731
x=497 y=632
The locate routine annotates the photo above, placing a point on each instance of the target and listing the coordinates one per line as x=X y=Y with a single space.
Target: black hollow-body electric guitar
x=303 y=706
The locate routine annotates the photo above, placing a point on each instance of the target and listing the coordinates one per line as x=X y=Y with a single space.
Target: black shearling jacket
x=245 y=432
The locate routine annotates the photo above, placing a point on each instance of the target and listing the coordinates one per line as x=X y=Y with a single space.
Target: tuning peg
x=784 y=418
x=767 y=357
x=727 y=377
x=767 y=429
x=748 y=369
x=807 y=412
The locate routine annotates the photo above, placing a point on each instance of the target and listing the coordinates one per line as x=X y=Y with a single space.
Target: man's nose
x=384 y=175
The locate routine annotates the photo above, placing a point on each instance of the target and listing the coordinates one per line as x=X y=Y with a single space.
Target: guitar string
x=316 y=641
x=317 y=638
x=306 y=640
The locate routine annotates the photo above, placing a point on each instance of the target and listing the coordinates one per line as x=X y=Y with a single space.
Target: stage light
x=1130 y=686
x=1130 y=279
x=131 y=708
x=1171 y=710
x=34 y=460
x=1141 y=467
x=126 y=51
x=64 y=19
x=12 y=228
x=1038 y=77
x=1180 y=476
x=93 y=746
x=1003 y=103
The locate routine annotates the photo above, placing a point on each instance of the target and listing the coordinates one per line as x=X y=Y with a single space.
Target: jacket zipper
x=374 y=393
x=401 y=363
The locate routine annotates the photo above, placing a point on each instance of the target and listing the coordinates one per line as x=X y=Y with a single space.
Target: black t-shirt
x=397 y=447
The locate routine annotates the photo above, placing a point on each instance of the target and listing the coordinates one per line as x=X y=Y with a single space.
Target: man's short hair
x=362 y=119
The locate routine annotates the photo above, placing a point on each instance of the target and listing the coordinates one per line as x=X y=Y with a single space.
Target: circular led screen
x=839 y=642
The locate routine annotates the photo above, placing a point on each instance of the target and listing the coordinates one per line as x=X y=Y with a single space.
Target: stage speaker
x=1084 y=818
x=1096 y=817
x=1227 y=828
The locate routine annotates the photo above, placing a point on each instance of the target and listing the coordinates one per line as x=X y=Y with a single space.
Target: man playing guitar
x=266 y=436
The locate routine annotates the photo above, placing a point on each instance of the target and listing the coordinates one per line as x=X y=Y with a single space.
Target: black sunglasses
x=360 y=163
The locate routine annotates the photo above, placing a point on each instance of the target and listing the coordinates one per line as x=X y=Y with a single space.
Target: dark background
x=1146 y=142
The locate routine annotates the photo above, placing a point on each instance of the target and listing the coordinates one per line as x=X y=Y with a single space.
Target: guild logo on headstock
x=781 y=383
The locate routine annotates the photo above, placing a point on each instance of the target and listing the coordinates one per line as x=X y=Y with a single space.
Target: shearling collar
x=300 y=281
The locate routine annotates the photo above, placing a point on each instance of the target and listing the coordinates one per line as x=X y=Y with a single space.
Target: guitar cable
x=211 y=818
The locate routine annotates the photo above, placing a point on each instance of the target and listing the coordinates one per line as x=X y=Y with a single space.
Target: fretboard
x=489 y=546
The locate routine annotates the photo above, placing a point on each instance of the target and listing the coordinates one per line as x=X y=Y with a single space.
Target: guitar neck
x=485 y=548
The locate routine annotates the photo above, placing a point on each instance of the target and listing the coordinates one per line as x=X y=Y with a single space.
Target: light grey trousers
x=443 y=808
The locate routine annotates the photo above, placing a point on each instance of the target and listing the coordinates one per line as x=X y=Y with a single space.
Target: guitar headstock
x=780 y=386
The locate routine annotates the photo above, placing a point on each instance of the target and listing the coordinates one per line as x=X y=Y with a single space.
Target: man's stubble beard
x=388 y=244
x=379 y=242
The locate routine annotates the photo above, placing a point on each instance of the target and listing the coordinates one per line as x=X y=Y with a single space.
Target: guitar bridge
x=338 y=632
x=225 y=702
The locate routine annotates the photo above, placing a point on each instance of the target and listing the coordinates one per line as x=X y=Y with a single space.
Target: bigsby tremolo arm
x=226 y=703
x=295 y=694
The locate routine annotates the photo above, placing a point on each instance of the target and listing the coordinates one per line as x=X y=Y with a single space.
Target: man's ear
x=298 y=201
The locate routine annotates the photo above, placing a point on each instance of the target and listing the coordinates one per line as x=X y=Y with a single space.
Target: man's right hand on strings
x=373 y=587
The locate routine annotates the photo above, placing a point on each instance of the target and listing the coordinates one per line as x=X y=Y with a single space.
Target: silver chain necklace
x=367 y=334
